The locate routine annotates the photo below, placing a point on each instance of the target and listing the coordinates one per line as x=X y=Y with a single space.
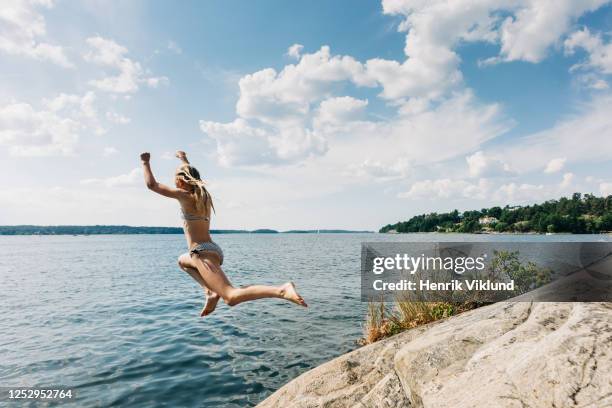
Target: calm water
x=114 y=317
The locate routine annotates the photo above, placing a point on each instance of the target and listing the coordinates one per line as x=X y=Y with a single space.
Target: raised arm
x=153 y=185
x=182 y=156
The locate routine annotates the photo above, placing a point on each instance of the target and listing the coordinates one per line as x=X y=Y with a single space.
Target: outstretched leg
x=215 y=280
x=212 y=298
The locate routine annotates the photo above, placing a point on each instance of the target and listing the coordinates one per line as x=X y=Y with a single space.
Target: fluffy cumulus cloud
x=599 y=52
x=295 y=51
x=536 y=25
x=599 y=58
x=480 y=165
x=555 y=165
x=303 y=110
x=129 y=73
x=525 y=30
x=336 y=113
x=276 y=110
x=52 y=129
x=27 y=131
x=23 y=32
x=286 y=96
x=239 y=143
x=567 y=180
x=295 y=114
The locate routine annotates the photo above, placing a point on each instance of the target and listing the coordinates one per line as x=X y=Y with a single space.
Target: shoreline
x=497 y=233
x=86 y=230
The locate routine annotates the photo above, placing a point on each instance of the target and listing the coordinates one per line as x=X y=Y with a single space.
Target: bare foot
x=288 y=292
x=211 y=304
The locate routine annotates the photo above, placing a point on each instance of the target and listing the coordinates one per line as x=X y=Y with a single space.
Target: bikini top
x=193 y=217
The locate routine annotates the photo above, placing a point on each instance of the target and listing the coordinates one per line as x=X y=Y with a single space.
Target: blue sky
x=312 y=114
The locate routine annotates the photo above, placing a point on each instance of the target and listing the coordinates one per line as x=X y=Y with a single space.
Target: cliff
x=510 y=354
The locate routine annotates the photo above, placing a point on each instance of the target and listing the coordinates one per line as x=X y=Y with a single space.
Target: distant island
x=580 y=214
x=126 y=230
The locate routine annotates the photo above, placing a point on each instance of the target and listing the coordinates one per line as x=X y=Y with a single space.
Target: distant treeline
x=580 y=214
x=126 y=229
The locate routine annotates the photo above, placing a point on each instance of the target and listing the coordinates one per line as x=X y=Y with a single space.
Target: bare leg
x=215 y=279
x=212 y=298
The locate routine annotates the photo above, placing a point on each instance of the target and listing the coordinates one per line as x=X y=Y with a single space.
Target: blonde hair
x=191 y=176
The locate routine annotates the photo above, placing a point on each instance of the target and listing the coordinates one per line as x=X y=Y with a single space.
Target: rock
x=509 y=354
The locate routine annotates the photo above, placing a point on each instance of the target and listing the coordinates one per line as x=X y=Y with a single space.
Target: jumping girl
x=204 y=259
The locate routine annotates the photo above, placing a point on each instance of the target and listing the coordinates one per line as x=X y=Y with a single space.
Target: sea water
x=115 y=318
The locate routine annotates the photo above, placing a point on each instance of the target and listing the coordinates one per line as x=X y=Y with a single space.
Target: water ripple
x=114 y=317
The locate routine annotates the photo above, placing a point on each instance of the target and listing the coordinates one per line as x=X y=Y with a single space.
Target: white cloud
x=536 y=25
x=480 y=165
x=52 y=130
x=433 y=29
x=593 y=80
x=84 y=105
x=581 y=137
x=424 y=87
x=305 y=113
x=422 y=76
x=131 y=75
x=340 y=110
x=295 y=51
x=599 y=59
x=23 y=32
x=85 y=205
x=424 y=83
x=238 y=143
x=520 y=193
x=276 y=109
x=486 y=189
x=81 y=108
x=599 y=53
x=568 y=179
x=525 y=30
x=117 y=118
x=28 y=132
x=555 y=165
x=270 y=96
x=379 y=171
x=454 y=127
x=447 y=188
x=605 y=189
x=131 y=179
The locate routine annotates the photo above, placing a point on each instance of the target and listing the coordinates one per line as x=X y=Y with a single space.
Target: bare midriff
x=196 y=232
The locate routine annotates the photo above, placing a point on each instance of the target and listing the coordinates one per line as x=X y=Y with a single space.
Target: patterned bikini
x=204 y=246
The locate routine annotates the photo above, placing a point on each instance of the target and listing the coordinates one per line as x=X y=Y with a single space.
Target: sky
x=319 y=114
